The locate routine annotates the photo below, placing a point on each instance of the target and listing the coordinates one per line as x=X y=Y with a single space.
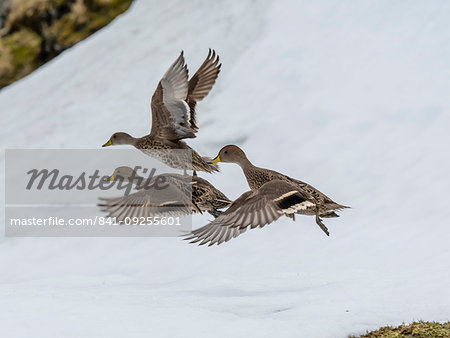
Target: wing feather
x=174 y=102
x=201 y=83
x=252 y=209
x=170 y=111
x=148 y=202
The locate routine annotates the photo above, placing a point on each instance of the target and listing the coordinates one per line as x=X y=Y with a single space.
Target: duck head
x=119 y=138
x=123 y=173
x=231 y=154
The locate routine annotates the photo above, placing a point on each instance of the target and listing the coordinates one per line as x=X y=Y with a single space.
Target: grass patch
x=416 y=329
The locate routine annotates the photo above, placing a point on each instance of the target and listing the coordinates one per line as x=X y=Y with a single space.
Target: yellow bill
x=216 y=160
x=107 y=144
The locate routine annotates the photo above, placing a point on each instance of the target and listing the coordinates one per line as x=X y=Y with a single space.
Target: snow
x=351 y=97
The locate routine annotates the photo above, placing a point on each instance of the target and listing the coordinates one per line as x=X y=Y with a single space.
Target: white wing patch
x=175 y=89
x=296 y=207
x=301 y=206
x=286 y=195
x=179 y=110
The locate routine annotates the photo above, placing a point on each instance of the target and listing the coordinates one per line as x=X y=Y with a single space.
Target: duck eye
x=226 y=151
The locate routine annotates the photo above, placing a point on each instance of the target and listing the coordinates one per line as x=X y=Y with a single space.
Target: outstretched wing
x=170 y=112
x=201 y=83
x=148 y=203
x=252 y=209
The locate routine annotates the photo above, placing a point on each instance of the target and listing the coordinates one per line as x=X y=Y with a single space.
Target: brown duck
x=272 y=195
x=174 y=110
x=181 y=195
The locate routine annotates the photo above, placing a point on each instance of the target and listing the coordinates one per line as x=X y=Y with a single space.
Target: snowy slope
x=351 y=97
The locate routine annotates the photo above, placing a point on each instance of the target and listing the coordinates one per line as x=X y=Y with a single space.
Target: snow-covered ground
x=352 y=97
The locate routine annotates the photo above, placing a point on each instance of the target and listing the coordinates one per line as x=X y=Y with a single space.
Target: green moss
x=71 y=29
x=417 y=330
x=23 y=47
x=66 y=32
x=106 y=14
x=6 y=68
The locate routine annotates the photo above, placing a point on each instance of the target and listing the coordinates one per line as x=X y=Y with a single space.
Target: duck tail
x=332 y=207
x=340 y=207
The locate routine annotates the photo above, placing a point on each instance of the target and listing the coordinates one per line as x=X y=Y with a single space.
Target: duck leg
x=321 y=225
x=330 y=214
x=291 y=216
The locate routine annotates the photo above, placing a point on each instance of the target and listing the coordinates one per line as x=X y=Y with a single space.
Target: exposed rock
x=34 y=31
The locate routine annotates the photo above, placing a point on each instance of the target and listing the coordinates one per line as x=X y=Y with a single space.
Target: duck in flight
x=163 y=195
x=271 y=196
x=174 y=116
